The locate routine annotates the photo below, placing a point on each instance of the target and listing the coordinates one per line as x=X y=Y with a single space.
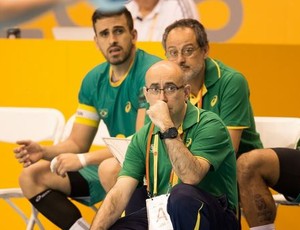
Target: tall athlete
x=111 y=91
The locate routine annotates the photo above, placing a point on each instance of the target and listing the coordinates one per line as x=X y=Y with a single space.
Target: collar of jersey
x=119 y=82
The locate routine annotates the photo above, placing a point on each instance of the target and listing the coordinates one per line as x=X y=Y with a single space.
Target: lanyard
x=155 y=163
x=148 y=157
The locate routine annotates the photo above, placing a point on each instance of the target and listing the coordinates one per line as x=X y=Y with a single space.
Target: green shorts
x=97 y=192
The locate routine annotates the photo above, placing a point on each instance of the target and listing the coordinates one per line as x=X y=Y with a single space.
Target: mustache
x=114 y=47
x=183 y=66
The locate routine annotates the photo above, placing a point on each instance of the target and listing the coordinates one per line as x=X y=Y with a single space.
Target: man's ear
x=206 y=51
x=187 y=91
x=134 y=36
x=145 y=93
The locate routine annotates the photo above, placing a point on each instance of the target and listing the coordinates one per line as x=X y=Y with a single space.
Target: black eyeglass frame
x=168 y=90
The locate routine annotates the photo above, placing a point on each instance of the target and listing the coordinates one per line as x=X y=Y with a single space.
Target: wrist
x=81 y=157
x=166 y=127
x=44 y=153
x=170 y=133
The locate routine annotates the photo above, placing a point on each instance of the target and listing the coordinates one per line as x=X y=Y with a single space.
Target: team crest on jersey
x=188 y=142
x=213 y=102
x=103 y=113
x=128 y=107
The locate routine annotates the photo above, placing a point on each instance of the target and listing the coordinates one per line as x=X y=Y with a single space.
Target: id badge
x=158 y=217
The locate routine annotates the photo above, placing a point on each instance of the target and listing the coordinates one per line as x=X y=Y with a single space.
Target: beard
x=190 y=75
x=120 y=59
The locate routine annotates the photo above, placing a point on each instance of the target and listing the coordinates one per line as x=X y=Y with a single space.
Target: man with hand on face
x=214 y=86
x=185 y=150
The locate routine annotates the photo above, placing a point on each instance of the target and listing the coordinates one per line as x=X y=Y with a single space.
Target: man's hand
x=28 y=152
x=160 y=115
x=65 y=162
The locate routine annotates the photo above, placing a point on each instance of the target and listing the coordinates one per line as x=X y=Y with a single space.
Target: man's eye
x=119 y=31
x=153 y=89
x=170 y=88
x=173 y=53
x=104 y=34
x=188 y=51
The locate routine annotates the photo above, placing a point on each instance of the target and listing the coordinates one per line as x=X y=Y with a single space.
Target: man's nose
x=180 y=59
x=162 y=95
x=112 y=39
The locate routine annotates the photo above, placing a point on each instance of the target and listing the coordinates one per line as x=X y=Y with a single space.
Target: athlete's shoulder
x=143 y=56
x=97 y=73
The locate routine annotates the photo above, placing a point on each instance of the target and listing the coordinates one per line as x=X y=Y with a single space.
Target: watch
x=169 y=133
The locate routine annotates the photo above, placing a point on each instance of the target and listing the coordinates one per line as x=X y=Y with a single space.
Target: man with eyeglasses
x=214 y=86
x=167 y=90
x=185 y=150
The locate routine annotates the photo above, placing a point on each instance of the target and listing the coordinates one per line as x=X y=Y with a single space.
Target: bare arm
x=188 y=168
x=114 y=203
x=79 y=141
x=235 y=135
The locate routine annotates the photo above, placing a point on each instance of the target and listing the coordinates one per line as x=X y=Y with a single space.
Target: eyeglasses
x=168 y=90
x=185 y=52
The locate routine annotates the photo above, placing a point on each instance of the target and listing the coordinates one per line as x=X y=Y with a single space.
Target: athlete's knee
x=32 y=177
x=247 y=165
x=109 y=167
x=26 y=176
x=108 y=172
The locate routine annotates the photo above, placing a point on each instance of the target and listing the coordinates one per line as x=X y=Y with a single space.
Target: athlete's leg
x=257 y=170
x=48 y=193
x=288 y=183
x=108 y=173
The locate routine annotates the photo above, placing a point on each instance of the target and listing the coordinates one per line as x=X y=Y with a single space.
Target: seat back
x=26 y=123
x=102 y=131
x=278 y=131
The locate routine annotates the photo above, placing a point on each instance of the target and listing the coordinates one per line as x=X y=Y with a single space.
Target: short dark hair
x=195 y=25
x=99 y=14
